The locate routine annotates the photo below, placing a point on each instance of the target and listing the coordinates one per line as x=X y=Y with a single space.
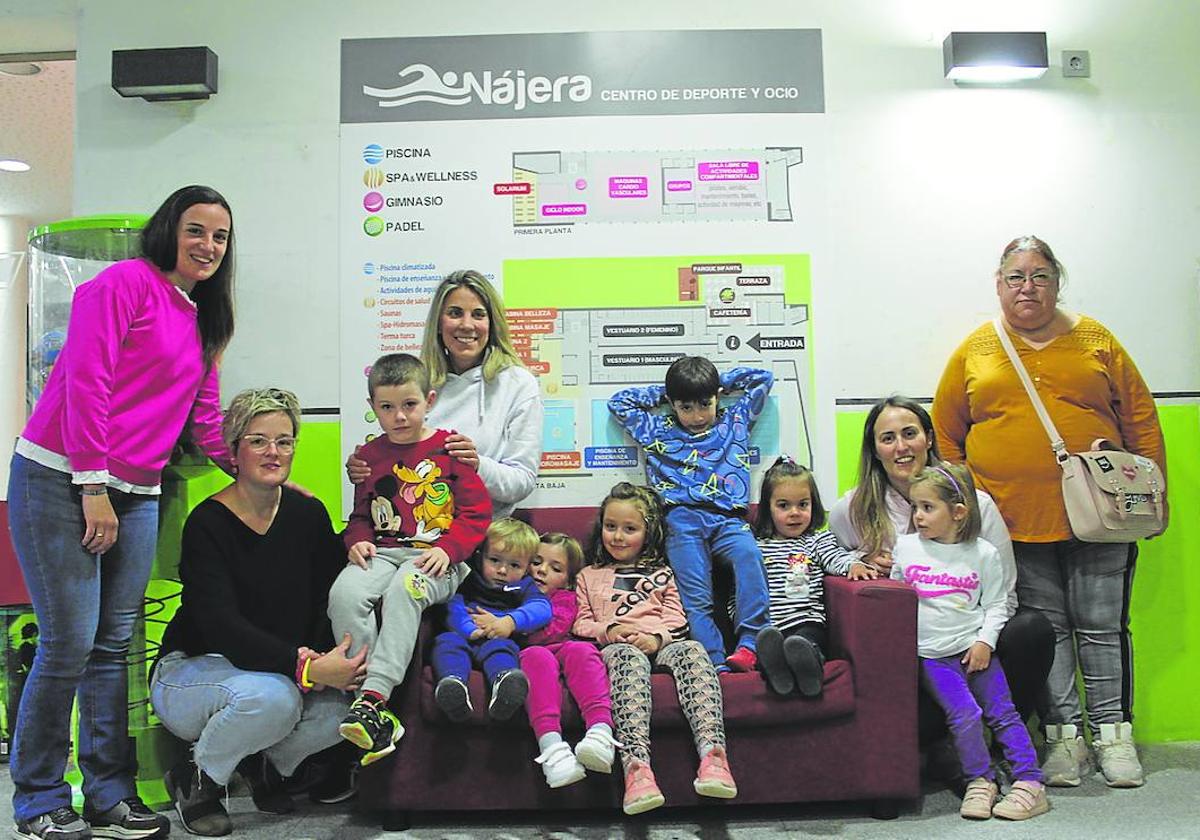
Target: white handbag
x=1112 y=496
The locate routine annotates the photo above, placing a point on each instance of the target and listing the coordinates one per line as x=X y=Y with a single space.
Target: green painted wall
x=1165 y=614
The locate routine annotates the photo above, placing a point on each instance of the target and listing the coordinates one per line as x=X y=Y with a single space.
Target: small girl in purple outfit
x=551 y=649
x=961 y=609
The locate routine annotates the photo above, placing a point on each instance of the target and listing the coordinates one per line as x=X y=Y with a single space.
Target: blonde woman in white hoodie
x=484 y=393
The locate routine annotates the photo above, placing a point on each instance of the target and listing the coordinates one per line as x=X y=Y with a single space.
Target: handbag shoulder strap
x=1056 y=441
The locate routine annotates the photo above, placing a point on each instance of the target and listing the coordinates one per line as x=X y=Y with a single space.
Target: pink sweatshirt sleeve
x=563 y=609
x=102 y=311
x=205 y=421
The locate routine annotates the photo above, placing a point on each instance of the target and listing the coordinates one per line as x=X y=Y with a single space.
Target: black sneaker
x=129 y=819
x=266 y=785
x=340 y=783
x=508 y=694
x=60 y=824
x=197 y=800
x=452 y=697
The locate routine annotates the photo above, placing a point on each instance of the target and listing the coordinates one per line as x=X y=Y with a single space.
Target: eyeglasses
x=1040 y=279
x=261 y=443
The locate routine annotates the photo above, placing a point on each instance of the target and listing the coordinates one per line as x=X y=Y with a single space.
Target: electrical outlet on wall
x=1076 y=63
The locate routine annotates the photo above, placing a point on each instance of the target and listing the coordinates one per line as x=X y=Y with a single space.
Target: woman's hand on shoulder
x=100 y=520
x=462 y=449
x=357 y=470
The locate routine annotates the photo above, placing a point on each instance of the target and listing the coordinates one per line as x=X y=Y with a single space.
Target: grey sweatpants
x=406 y=591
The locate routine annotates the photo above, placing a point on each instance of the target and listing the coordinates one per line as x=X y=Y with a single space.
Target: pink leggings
x=587 y=680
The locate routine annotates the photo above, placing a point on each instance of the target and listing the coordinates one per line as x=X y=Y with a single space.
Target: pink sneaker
x=742 y=660
x=641 y=791
x=714 y=778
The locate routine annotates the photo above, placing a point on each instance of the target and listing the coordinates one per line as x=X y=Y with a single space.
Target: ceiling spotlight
x=12 y=165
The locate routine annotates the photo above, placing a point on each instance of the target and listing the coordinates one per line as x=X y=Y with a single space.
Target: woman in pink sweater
x=139 y=364
x=628 y=603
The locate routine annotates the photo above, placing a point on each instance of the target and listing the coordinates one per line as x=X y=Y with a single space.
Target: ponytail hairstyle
x=213 y=297
x=952 y=483
x=785 y=469
x=648 y=504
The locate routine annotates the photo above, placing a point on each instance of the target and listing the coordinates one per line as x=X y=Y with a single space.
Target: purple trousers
x=968 y=701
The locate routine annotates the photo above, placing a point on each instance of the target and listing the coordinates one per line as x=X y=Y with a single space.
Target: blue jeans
x=1084 y=589
x=86 y=605
x=695 y=539
x=228 y=713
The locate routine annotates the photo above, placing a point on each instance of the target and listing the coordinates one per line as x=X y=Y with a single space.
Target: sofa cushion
x=747 y=700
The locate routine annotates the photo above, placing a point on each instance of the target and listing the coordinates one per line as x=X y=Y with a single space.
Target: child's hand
x=977 y=657
x=861 y=571
x=361 y=553
x=492 y=626
x=622 y=633
x=647 y=643
x=434 y=562
x=502 y=628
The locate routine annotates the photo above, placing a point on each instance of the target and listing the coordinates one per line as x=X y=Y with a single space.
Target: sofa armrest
x=874 y=625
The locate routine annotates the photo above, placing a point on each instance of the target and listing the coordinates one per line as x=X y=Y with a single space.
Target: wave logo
x=373 y=153
x=511 y=87
x=368 y=268
x=372 y=226
x=373 y=176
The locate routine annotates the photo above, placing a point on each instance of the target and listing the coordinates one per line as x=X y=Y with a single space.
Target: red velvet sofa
x=858 y=741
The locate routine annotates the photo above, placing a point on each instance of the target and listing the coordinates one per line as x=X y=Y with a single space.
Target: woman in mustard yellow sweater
x=982 y=416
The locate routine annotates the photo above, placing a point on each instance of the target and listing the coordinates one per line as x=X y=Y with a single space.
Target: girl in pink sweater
x=629 y=604
x=550 y=650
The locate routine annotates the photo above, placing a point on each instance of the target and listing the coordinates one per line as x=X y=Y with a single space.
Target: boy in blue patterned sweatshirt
x=698 y=459
x=495 y=603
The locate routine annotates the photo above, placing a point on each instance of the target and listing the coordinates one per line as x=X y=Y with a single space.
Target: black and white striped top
x=796 y=570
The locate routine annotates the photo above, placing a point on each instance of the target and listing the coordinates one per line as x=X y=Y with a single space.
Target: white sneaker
x=1117 y=756
x=596 y=750
x=1067 y=759
x=560 y=765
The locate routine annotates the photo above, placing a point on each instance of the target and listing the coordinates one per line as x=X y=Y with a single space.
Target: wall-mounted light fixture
x=994 y=57
x=165 y=74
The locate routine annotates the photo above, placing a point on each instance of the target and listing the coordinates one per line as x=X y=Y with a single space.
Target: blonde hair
x=952 y=483
x=499 y=353
x=571 y=548
x=516 y=537
x=250 y=404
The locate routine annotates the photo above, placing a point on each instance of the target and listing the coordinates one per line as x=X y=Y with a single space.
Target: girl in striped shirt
x=796 y=557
